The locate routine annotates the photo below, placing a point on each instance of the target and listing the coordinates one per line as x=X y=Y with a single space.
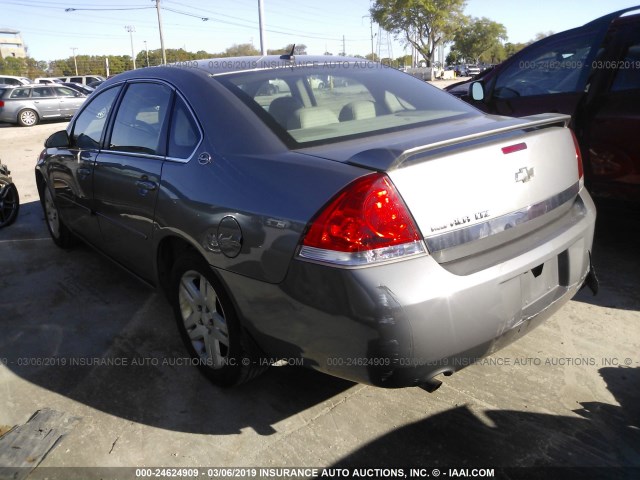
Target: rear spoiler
x=389 y=159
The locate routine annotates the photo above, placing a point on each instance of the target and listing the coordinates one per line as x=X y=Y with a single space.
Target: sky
x=51 y=33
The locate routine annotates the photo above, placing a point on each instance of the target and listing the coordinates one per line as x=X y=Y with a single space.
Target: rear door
x=127 y=174
x=612 y=150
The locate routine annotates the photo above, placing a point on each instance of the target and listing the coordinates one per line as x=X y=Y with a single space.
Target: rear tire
x=9 y=204
x=208 y=324
x=59 y=232
x=28 y=118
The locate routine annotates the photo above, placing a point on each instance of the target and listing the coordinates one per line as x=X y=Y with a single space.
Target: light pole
x=164 y=55
x=75 y=63
x=131 y=29
x=263 y=44
x=146 y=49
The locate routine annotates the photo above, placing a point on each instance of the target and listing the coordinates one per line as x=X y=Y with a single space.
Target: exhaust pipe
x=432 y=384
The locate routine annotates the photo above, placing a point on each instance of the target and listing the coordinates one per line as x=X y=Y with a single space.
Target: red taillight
x=368 y=216
x=1 y=103
x=578 y=155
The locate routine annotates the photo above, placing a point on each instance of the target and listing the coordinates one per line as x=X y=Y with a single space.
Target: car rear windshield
x=318 y=104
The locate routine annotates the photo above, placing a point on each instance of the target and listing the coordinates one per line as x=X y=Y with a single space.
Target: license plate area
x=539 y=282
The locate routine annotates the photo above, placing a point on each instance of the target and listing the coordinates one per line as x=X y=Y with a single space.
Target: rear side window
x=89 y=126
x=554 y=67
x=20 y=93
x=184 y=134
x=140 y=119
x=9 y=81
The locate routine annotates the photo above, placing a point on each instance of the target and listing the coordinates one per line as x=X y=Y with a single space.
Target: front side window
x=556 y=67
x=628 y=71
x=64 y=92
x=90 y=124
x=140 y=119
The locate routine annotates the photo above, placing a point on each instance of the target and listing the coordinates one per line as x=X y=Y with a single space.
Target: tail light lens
x=1 y=103
x=365 y=223
x=578 y=156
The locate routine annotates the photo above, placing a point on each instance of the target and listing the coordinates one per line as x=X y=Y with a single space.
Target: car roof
x=225 y=65
x=613 y=15
x=179 y=73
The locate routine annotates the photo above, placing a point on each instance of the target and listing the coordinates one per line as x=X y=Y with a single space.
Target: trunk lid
x=470 y=188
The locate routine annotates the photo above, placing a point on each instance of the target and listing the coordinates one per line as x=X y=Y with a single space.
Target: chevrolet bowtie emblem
x=524 y=175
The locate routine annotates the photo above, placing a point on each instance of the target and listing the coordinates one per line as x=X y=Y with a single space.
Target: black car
x=592 y=73
x=9 y=198
x=84 y=89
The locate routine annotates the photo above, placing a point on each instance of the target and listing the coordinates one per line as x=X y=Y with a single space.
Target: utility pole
x=164 y=55
x=263 y=44
x=146 y=49
x=131 y=29
x=73 y=49
x=344 y=48
x=373 y=54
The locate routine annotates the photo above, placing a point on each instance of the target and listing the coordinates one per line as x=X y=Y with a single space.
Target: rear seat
x=311 y=117
x=358 y=110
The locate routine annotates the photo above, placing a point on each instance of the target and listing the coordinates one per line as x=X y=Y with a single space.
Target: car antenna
x=290 y=55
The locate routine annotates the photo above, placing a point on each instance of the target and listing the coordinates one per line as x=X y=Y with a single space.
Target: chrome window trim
x=499 y=224
x=132 y=154
x=189 y=108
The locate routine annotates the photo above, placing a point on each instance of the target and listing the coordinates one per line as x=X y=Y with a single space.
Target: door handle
x=146 y=185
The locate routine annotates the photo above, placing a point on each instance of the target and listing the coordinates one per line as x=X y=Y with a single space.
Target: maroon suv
x=592 y=73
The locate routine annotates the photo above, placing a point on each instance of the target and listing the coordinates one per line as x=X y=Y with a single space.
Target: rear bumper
x=402 y=323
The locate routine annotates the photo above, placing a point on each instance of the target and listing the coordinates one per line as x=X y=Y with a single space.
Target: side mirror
x=477 y=91
x=58 y=140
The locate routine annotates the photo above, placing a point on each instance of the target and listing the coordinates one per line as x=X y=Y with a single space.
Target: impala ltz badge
x=524 y=175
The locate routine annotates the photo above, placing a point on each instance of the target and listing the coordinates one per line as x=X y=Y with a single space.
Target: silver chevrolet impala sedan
x=336 y=213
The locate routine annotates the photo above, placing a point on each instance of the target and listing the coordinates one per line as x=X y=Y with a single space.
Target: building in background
x=11 y=44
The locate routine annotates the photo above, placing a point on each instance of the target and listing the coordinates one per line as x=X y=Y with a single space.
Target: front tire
x=59 y=232
x=208 y=323
x=9 y=204
x=28 y=118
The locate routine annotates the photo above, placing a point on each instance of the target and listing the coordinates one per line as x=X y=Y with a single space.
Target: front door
x=71 y=170
x=127 y=175
x=612 y=149
x=549 y=78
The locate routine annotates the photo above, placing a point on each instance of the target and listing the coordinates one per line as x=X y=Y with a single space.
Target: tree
x=478 y=36
x=241 y=50
x=404 y=61
x=301 y=49
x=425 y=24
x=512 y=48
